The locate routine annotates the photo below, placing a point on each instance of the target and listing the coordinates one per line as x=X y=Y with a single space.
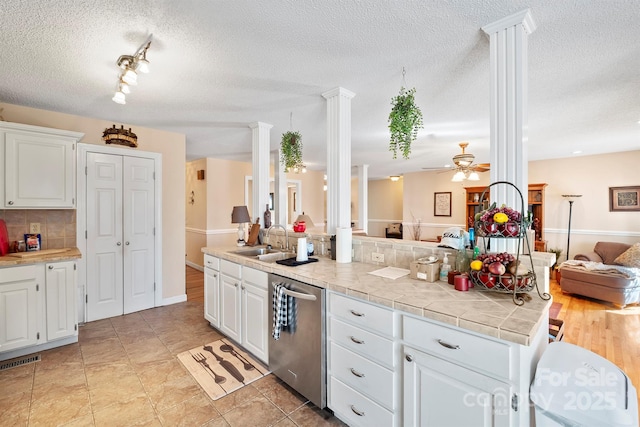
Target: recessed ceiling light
x=577 y=152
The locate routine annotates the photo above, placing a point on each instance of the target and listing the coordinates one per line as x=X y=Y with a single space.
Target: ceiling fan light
x=394 y=178
x=473 y=176
x=124 y=88
x=119 y=98
x=130 y=77
x=458 y=177
x=142 y=65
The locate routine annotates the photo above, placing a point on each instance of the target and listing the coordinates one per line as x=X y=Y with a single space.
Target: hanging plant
x=404 y=121
x=291 y=150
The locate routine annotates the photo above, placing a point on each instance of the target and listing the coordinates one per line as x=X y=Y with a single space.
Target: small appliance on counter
x=4 y=238
x=33 y=242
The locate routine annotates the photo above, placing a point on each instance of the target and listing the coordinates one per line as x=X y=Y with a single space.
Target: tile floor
x=124 y=372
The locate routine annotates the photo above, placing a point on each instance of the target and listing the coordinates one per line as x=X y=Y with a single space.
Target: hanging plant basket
x=291 y=150
x=404 y=121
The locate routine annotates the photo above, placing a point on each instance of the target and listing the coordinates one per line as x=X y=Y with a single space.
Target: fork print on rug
x=221 y=367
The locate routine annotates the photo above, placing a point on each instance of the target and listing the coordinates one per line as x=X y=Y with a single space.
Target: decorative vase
x=267 y=217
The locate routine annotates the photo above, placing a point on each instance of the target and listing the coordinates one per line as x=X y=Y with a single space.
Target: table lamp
x=240 y=216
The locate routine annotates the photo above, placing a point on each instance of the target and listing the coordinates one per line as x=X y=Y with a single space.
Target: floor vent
x=19 y=362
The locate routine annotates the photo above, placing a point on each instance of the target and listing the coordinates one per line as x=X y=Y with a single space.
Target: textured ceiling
x=217 y=66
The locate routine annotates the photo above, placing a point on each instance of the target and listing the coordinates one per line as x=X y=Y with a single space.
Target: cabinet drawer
x=459 y=347
x=230 y=268
x=16 y=274
x=366 y=343
x=363 y=375
x=211 y=262
x=356 y=409
x=255 y=277
x=362 y=314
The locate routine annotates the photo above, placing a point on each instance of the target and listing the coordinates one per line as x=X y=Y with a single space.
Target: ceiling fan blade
x=481 y=167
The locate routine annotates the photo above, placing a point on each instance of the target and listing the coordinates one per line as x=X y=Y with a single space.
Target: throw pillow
x=394 y=228
x=609 y=251
x=630 y=257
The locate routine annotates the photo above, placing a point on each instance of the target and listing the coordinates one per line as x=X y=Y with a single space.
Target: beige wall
x=173 y=149
x=591 y=220
x=385 y=204
x=196 y=212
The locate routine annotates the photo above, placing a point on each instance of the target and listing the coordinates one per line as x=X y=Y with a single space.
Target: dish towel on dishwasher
x=284 y=311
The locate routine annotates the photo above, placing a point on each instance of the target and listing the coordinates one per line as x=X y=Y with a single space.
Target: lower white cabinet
x=20 y=307
x=439 y=393
x=212 y=290
x=60 y=294
x=37 y=307
x=236 y=302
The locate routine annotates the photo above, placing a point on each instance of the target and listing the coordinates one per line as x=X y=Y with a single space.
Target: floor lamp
x=572 y=198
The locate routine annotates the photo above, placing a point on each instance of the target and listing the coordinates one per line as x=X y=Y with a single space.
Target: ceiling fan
x=464 y=167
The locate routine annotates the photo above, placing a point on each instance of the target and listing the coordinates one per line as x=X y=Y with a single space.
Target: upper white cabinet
x=38 y=170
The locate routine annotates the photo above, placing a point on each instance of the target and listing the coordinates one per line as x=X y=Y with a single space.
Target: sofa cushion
x=609 y=251
x=630 y=257
x=591 y=277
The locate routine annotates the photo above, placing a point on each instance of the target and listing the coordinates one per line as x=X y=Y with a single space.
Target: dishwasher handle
x=299 y=295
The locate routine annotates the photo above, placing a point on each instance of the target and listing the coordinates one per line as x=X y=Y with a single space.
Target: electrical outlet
x=376 y=257
x=34 y=228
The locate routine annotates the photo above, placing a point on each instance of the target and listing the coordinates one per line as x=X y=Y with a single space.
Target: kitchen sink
x=265 y=254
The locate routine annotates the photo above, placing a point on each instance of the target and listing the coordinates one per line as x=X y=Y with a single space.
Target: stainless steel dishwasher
x=298 y=357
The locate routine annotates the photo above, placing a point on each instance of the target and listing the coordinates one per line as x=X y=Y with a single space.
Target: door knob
x=119 y=244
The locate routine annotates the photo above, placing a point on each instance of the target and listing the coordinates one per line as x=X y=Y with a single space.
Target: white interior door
x=104 y=236
x=138 y=214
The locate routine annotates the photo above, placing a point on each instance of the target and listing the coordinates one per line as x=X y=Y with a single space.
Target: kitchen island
x=429 y=341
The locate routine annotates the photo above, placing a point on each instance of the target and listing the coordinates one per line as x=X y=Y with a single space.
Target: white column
x=509 y=101
x=279 y=191
x=338 y=158
x=508 y=39
x=260 y=160
x=363 y=197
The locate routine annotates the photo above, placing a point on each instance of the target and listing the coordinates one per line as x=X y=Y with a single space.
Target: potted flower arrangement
x=499 y=221
x=404 y=121
x=291 y=150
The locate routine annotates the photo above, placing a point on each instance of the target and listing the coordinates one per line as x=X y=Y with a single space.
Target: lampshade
x=306 y=218
x=458 y=177
x=130 y=77
x=239 y=215
x=473 y=176
x=119 y=98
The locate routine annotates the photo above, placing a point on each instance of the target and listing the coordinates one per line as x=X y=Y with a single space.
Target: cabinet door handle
x=356 y=373
x=236 y=285
x=215 y=275
x=242 y=287
x=408 y=357
x=126 y=243
x=355 y=313
x=449 y=346
x=51 y=267
x=119 y=244
x=355 y=411
x=356 y=340
x=10 y=202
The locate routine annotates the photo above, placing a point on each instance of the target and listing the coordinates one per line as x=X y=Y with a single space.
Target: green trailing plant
x=291 y=150
x=405 y=120
x=556 y=251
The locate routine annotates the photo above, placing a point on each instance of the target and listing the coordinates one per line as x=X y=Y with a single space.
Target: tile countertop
x=489 y=313
x=42 y=256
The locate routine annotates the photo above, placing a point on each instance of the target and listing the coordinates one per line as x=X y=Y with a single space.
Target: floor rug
x=221 y=367
x=554 y=310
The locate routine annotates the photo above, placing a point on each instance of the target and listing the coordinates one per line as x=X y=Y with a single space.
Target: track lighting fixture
x=130 y=65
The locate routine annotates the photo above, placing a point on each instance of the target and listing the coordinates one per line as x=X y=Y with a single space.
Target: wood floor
x=600 y=327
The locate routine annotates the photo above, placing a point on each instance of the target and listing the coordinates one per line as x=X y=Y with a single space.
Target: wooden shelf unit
x=535 y=205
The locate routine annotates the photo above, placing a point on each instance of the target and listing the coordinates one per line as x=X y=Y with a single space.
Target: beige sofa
x=596 y=275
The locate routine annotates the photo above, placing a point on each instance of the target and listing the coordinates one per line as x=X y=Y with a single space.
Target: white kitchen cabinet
x=255 y=313
x=20 y=307
x=434 y=387
x=38 y=170
x=60 y=278
x=230 y=300
x=212 y=290
x=37 y=307
x=363 y=374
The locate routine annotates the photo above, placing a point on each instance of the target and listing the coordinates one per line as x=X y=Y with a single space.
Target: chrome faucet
x=286 y=234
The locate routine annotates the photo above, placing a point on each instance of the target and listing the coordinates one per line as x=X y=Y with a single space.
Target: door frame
x=81 y=214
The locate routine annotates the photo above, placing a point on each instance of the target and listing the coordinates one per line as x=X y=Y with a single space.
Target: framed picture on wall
x=624 y=199
x=442 y=204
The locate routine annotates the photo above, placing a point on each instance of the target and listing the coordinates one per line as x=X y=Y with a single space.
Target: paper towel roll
x=302 y=250
x=343 y=245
